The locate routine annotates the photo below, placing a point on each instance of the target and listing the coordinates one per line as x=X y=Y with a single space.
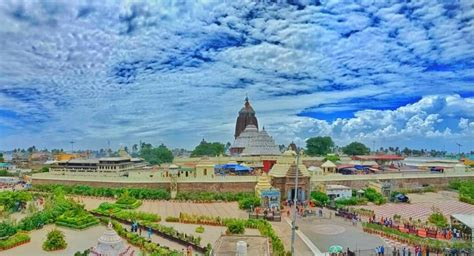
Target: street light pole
x=293 y=223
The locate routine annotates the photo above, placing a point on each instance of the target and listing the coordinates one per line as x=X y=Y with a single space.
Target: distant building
x=108 y=166
x=337 y=192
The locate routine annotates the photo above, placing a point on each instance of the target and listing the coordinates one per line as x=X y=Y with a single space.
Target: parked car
x=400 y=198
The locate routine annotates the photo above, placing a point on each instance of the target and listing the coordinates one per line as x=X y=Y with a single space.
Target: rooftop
x=466 y=219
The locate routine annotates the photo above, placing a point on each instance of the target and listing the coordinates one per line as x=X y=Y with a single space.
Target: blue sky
x=389 y=73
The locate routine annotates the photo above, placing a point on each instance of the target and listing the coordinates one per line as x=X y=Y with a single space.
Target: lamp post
x=293 y=223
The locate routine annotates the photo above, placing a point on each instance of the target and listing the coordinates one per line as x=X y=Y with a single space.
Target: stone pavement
x=324 y=232
x=173 y=208
x=421 y=206
x=284 y=232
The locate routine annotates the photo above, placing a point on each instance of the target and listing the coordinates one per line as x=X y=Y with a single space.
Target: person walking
x=404 y=251
x=382 y=250
x=149 y=233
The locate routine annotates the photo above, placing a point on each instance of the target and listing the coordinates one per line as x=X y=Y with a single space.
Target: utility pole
x=72 y=146
x=459 y=149
x=293 y=223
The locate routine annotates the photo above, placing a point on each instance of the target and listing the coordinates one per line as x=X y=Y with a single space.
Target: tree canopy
x=208 y=149
x=318 y=146
x=158 y=155
x=356 y=148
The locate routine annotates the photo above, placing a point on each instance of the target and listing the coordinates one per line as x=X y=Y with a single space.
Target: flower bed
x=77 y=219
x=14 y=240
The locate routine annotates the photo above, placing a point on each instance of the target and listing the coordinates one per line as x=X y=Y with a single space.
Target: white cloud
x=177 y=72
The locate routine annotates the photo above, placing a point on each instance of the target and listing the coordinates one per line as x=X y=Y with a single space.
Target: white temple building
x=111 y=244
x=252 y=142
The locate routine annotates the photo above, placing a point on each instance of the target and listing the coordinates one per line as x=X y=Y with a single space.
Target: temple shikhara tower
x=246 y=117
x=249 y=141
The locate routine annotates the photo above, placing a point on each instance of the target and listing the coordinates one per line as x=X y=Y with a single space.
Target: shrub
x=235 y=227
x=247 y=203
x=200 y=229
x=374 y=196
x=172 y=219
x=320 y=197
x=54 y=241
x=9 y=199
x=438 y=219
x=7 y=229
x=14 y=240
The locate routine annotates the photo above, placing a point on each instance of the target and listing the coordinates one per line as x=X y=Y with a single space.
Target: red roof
x=379 y=157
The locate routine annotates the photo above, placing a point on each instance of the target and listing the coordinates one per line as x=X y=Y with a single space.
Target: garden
x=465 y=189
x=236 y=226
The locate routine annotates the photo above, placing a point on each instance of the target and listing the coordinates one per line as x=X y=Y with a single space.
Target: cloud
x=175 y=72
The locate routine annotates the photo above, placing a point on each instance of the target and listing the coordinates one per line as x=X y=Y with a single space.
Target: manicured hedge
x=77 y=219
x=83 y=190
x=14 y=240
x=113 y=210
x=213 y=196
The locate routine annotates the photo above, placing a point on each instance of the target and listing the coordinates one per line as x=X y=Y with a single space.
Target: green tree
x=1 y=158
x=318 y=146
x=158 y=155
x=438 y=219
x=54 y=241
x=331 y=157
x=320 y=197
x=356 y=148
x=208 y=149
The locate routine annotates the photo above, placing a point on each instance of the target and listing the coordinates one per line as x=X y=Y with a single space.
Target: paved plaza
x=173 y=208
x=324 y=232
x=421 y=206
